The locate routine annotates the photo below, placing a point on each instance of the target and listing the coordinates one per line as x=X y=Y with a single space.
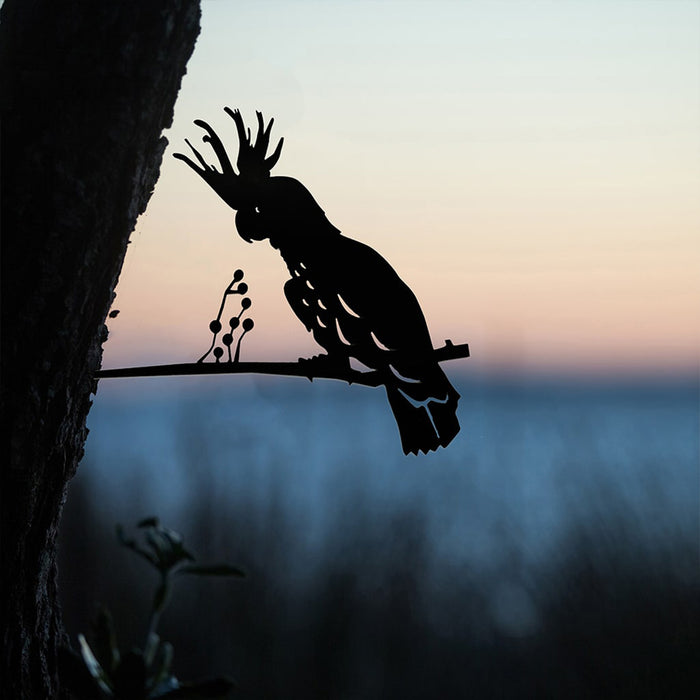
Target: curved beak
x=248 y=225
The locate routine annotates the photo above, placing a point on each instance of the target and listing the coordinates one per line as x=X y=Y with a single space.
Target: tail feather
x=445 y=418
x=428 y=424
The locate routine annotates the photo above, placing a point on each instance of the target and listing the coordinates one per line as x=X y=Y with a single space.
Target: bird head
x=267 y=207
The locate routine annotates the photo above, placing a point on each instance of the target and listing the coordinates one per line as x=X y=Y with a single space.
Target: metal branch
x=310 y=369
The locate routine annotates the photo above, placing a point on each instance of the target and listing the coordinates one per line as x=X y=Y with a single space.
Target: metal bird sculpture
x=343 y=291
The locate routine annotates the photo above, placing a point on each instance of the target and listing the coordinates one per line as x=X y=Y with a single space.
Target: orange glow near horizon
x=532 y=174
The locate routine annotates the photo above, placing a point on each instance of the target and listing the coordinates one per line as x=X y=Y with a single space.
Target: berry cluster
x=234 y=322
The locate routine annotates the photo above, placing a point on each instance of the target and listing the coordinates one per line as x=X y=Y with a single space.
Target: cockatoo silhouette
x=343 y=291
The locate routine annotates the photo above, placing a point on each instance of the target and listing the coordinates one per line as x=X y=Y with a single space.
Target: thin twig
x=305 y=368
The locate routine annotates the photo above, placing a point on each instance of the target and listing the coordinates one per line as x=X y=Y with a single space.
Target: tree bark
x=87 y=88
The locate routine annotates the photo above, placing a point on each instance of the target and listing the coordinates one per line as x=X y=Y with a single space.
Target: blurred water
x=532 y=458
x=550 y=551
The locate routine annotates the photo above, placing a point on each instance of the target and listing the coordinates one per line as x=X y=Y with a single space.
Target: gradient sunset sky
x=530 y=169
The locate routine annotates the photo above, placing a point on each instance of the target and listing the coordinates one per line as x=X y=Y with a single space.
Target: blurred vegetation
x=381 y=614
x=103 y=671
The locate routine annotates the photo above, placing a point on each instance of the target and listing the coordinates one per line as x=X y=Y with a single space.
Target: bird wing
x=375 y=311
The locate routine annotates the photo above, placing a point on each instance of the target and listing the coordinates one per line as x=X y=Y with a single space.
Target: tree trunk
x=87 y=88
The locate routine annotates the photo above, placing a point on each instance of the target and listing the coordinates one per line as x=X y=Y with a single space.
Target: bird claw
x=324 y=364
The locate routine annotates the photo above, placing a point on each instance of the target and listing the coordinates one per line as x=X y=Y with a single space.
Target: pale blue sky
x=530 y=168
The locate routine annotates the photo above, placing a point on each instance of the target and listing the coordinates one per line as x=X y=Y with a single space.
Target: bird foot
x=324 y=364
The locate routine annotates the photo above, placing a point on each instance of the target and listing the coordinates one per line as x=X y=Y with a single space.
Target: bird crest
x=252 y=162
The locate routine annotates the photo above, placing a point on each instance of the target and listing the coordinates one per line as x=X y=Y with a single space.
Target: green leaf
x=158 y=543
x=174 y=537
x=93 y=666
x=165 y=687
x=75 y=677
x=152 y=644
x=181 y=554
x=105 y=641
x=165 y=546
x=212 y=570
x=123 y=539
x=130 y=543
x=148 y=522
x=161 y=666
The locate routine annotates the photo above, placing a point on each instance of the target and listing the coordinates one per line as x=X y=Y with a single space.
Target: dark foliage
x=382 y=616
x=103 y=670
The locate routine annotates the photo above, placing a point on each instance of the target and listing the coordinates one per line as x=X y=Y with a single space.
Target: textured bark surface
x=87 y=88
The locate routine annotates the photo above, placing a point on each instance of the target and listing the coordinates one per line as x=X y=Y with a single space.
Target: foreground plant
x=102 y=671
